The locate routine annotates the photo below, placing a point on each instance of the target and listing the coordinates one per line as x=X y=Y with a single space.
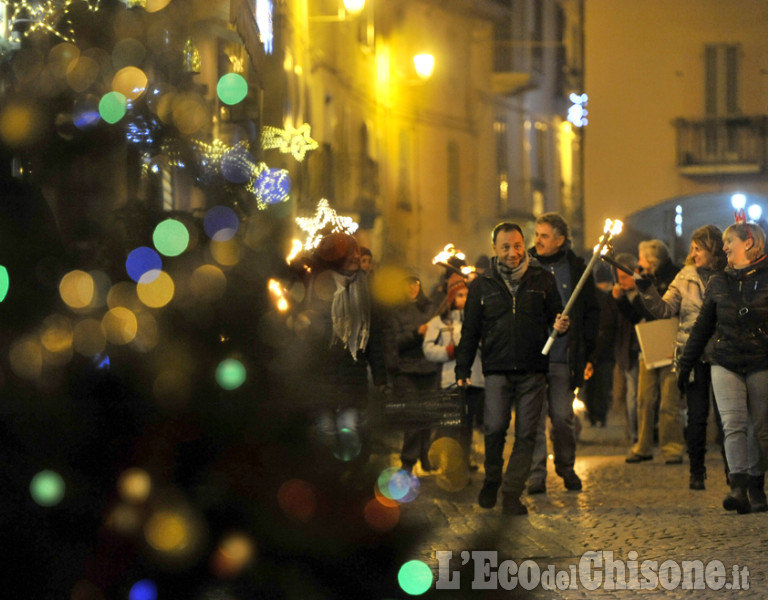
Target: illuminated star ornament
x=324 y=222
x=48 y=16
x=294 y=141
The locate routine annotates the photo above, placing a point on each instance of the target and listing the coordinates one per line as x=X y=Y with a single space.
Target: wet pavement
x=634 y=526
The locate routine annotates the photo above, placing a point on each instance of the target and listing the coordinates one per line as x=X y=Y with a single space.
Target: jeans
x=559 y=407
x=742 y=399
x=501 y=391
x=654 y=385
x=630 y=381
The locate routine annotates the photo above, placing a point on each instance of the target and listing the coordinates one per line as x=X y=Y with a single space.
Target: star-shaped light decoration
x=324 y=222
x=294 y=141
x=272 y=186
x=46 y=15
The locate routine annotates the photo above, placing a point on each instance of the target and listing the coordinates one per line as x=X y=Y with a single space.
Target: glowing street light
x=755 y=211
x=425 y=64
x=354 y=7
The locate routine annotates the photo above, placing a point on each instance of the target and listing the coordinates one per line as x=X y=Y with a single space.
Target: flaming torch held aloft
x=611 y=229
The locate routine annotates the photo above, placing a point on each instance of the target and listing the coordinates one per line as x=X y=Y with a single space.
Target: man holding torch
x=568 y=355
x=510 y=309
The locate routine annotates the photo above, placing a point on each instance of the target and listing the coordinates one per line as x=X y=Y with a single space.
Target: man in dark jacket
x=569 y=354
x=510 y=310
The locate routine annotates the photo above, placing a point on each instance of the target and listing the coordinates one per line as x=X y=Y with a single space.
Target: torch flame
x=278 y=294
x=447 y=252
x=295 y=249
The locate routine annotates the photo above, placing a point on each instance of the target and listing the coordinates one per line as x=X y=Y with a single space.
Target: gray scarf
x=351 y=310
x=511 y=276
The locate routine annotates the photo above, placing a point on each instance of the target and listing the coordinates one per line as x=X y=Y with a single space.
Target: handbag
x=426 y=409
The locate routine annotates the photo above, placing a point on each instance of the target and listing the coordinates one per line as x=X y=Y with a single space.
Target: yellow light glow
x=354 y=7
x=119 y=326
x=134 y=485
x=289 y=140
x=296 y=247
x=424 y=64
x=278 y=295
x=76 y=289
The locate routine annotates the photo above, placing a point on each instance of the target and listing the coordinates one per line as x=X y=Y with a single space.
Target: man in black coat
x=510 y=310
x=569 y=354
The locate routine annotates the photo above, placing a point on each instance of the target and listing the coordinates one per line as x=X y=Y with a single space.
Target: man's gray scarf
x=511 y=276
x=351 y=310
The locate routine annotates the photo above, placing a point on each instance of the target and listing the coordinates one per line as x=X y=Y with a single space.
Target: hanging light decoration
x=51 y=16
x=191 y=58
x=289 y=140
x=325 y=221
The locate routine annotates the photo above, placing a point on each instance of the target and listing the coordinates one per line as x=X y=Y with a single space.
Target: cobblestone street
x=637 y=512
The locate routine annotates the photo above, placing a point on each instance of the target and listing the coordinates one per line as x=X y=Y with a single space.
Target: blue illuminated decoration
x=221 y=223
x=143 y=265
x=273 y=186
x=264 y=10
x=139 y=131
x=577 y=113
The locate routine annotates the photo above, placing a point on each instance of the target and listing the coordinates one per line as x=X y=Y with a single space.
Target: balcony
x=721 y=146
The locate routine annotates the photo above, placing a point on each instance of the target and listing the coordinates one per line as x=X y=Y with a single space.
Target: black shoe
x=756 y=493
x=636 y=458
x=537 y=487
x=511 y=505
x=697 y=482
x=487 y=497
x=572 y=482
x=673 y=460
x=737 y=499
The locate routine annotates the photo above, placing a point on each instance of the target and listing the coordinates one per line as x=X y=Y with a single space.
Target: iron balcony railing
x=724 y=145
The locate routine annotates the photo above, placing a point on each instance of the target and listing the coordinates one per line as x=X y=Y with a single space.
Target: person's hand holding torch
x=611 y=229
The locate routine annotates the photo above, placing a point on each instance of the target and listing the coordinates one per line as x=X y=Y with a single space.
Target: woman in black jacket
x=735 y=310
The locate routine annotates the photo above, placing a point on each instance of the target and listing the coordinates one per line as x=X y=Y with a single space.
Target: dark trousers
x=416 y=442
x=599 y=392
x=527 y=393
x=698 y=399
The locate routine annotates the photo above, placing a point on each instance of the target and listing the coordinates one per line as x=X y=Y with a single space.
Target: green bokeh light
x=232 y=88
x=112 y=107
x=47 y=488
x=171 y=237
x=415 y=577
x=230 y=374
x=5 y=282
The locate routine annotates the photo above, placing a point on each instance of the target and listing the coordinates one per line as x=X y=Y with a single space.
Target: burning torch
x=611 y=229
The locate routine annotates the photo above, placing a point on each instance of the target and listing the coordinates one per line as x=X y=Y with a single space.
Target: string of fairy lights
x=51 y=16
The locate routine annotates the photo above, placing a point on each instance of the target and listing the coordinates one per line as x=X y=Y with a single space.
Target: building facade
x=678 y=104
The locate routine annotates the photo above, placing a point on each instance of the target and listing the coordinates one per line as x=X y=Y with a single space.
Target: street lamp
x=424 y=64
x=738 y=201
x=755 y=211
x=347 y=10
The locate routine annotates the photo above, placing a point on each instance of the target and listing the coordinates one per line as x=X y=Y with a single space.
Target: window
x=502 y=164
x=721 y=79
x=454 y=191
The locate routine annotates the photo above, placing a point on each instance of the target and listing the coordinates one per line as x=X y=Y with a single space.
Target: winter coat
x=683 y=299
x=442 y=332
x=403 y=352
x=735 y=310
x=584 y=316
x=512 y=329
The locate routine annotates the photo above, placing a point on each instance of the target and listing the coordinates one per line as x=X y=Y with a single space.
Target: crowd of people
x=484 y=329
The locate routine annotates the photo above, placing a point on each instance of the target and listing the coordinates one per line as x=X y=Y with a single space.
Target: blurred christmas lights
x=294 y=141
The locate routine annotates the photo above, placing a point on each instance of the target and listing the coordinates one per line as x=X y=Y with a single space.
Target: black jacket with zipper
x=735 y=310
x=512 y=329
